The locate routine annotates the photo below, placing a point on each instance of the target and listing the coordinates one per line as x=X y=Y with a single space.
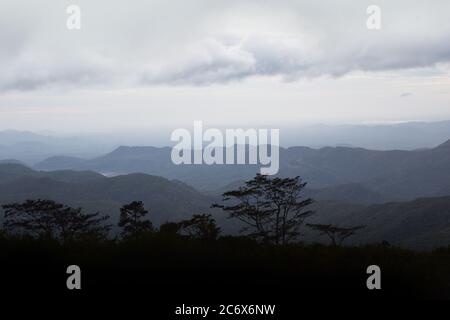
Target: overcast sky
x=146 y=64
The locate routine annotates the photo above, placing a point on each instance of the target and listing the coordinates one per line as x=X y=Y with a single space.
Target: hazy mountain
x=14 y=171
x=157 y=161
x=385 y=175
x=167 y=200
x=14 y=161
x=11 y=137
x=30 y=147
x=422 y=223
x=60 y=163
x=405 y=174
x=421 y=174
x=348 y=193
x=404 y=136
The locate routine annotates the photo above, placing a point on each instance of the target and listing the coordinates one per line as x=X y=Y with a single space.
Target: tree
x=336 y=234
x=273 y=209
x=169 y=228
x=51 y=220
x=288 y=206
x=201 y=226
x=250 y=207
x=132 y=220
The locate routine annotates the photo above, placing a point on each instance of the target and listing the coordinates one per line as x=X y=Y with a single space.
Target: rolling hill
x=392 y=175
x=422 y=223
x=167 y=200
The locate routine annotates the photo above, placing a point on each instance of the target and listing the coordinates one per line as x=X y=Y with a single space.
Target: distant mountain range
x=378 y=175
x=404 y=136
x=32 y=147
x=29 y=147
x=393 y=174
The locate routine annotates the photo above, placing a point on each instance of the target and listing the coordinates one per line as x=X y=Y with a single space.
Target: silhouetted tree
x=336 y=234
x=288 y=206
x=250 y=207
x=51 y=220
x=273 y=209
x=169 y=228
x=132 y=220
x=200 y=226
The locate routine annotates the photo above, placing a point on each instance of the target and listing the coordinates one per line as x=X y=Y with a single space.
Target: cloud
x=213 y=61
x=153 y=43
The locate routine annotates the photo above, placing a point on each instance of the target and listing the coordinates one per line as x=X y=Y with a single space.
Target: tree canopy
x=132 y=220
x=336 y=234
x=272 y=210
x=51 y=220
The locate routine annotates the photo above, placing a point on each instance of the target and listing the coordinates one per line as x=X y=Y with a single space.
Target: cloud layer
x=202 y=43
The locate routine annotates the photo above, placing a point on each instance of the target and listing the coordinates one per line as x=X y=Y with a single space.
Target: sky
x=163 y=64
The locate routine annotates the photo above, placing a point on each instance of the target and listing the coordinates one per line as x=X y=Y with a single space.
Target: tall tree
x=250 y=206
x=284 y=196
x=132 y=220
x=336 y=234
x=200 y=226
x=51 y=220
x=272 y=209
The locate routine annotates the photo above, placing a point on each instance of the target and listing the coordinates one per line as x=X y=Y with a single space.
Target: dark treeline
x=272 y=211
x=48 y=220
x=192 y=258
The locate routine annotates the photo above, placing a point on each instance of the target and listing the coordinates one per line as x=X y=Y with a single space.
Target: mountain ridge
x=423 y=223
x=391 y=170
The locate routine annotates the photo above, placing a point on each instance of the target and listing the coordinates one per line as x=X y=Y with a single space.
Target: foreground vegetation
x=179 y=266
x=190 y=258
